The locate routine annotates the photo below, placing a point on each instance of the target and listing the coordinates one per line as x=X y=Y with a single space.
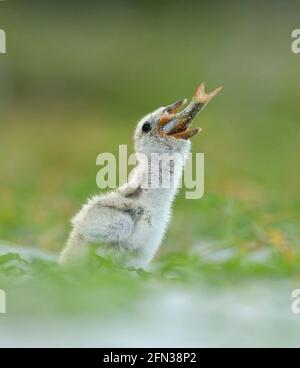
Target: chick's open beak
x=177 y=123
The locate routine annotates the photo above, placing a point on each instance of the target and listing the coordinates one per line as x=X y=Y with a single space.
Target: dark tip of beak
x=173 y=108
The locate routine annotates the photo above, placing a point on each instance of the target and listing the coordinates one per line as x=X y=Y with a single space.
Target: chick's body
x=130 y=222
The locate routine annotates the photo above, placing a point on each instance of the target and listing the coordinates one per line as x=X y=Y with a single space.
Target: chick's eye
x=146 y=127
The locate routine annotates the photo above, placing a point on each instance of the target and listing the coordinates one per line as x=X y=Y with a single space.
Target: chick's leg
x=75 y=251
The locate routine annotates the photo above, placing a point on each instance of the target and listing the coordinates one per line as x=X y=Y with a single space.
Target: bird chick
x=129 y=223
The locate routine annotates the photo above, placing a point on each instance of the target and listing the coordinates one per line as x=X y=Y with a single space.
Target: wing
x=104 y=223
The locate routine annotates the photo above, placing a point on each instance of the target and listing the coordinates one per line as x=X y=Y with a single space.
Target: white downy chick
x=129 y=223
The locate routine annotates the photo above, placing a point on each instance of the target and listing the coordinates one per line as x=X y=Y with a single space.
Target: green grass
x=46 y=289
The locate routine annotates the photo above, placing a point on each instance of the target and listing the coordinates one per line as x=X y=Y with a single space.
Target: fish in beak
x=176 y=123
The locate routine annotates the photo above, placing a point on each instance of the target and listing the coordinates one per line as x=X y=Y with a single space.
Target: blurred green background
x=77 y=77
